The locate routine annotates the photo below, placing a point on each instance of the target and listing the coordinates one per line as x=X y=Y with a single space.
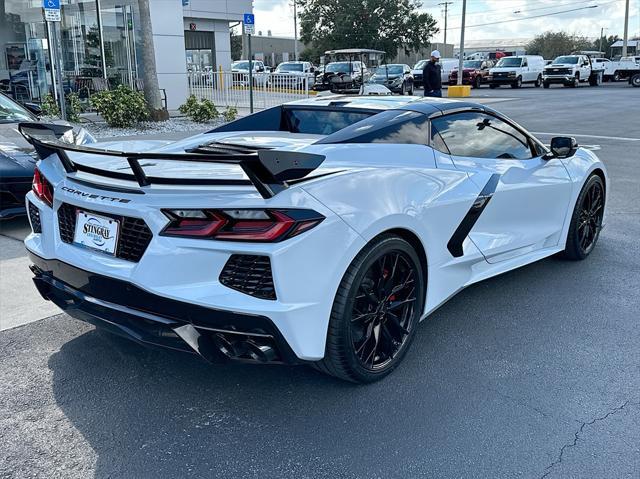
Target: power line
x=526 y=10
x=532 y=16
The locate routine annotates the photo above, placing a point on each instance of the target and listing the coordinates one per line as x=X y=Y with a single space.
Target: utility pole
x=625 y=39
x=461 y=59
x=295 y=31
x=601 y=35
x=446 y=10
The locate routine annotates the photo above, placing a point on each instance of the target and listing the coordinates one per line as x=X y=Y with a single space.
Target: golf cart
x=347 y=70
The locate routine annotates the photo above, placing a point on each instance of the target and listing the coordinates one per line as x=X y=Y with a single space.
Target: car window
x=391 y=126
x=479 y=135
x=320 y=122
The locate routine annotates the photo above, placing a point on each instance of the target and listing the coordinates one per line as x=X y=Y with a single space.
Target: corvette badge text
x=93 y=229
x=113 y=199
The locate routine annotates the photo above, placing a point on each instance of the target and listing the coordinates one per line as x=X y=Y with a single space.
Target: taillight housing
x=252 y=225
x=42 y=188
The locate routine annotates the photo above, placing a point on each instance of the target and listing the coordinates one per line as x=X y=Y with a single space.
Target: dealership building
x=101 y=47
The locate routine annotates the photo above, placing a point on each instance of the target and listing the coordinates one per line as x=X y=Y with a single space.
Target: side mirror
x=563 y=146
x=33 y=108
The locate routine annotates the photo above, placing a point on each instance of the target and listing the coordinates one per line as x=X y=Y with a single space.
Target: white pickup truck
x=571 y=70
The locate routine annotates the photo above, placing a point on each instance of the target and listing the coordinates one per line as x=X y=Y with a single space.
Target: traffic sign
x=249 y=23
x=51 y=10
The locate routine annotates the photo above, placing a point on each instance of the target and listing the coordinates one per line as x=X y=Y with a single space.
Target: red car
x=474 y=73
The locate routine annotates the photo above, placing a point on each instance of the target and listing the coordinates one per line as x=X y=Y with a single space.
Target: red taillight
x=240 y=225
x=42 y=188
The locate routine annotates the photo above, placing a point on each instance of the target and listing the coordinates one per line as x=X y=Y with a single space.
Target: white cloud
x=277 y=16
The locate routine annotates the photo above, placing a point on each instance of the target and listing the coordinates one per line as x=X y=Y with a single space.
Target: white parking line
x=621 y=138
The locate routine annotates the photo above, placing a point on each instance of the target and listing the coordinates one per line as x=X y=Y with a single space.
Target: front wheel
x=517 y=83
x=538 y=82
x=586 y=221
x=546 y=84
x=375 y=312
x=477 y=82
x=635 y=80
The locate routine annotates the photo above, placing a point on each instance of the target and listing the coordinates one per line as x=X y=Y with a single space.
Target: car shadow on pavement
x=503 y=357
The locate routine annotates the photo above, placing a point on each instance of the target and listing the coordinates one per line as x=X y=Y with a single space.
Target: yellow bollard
x=221 y=83
x=459 y=91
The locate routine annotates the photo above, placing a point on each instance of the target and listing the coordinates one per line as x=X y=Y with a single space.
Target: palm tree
x=148 y=58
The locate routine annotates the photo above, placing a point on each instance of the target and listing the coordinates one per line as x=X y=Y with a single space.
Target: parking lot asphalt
x=535 y=373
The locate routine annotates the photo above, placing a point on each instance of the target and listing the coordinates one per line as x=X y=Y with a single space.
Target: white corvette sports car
x=321 y=231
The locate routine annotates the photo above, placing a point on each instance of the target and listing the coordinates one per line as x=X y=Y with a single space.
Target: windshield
x=390 y=69
x=472 y=64
x=341 y=67
x=419 y=65
x=244 y=65
x=569 y=60
x=509 y=62
x=12 y=112
x=289 y=67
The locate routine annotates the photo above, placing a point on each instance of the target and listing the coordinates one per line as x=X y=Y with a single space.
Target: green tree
x=553 y=44
x=236 y=46
x=606 y=44
x=379 y=24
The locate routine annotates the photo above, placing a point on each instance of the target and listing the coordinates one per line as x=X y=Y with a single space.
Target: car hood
x=17 y=156
x=384 y=77
x=161 y=168
x=503 y=69
x=561 y=65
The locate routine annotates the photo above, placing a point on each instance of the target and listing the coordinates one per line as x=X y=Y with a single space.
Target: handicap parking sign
x=248 y=19
x=51 y=4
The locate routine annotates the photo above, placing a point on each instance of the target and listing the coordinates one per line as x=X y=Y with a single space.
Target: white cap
x=435 y=54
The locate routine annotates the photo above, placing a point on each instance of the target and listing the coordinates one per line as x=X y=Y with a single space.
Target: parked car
x=318 y=232
x=447 y=64
x=293 y=75
x=571 y=70
x=474 y=73
x=17 y=156
x=396 y=77
x=240 y=71
x=516 y=71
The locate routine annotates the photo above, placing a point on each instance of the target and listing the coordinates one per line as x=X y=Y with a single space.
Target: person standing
x=432 y=76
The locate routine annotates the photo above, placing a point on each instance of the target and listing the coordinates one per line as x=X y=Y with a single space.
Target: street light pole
x=625 y=39
x=295 y=31
x=461 y=59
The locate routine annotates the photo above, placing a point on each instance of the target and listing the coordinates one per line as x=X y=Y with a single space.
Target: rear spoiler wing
x=268 y=170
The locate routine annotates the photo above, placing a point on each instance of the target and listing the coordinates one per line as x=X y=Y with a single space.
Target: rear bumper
x=129 y=311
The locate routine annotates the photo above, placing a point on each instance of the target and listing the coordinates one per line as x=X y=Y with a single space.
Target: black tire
x=579 y=242
x=493 y=86
x=341 y=356
x=546 y=85
x=517 y=83
x=616 y=76
x=477 y=82
x=411 y=90
x=635 y=80
x=576 y=81
x=538 y=81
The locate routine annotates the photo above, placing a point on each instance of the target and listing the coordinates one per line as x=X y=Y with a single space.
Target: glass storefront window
x=25 y=69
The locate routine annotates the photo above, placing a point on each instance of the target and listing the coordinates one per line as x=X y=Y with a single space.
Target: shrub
x=73 y=107
x=201 y=111
x=230 y=113
x=120 y=107
x=50 y=106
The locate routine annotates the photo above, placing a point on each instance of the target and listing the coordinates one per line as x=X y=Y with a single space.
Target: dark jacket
x=431 y=76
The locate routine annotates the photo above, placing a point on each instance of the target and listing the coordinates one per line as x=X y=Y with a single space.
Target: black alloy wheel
x=586 y=222
x=383 y=310
x=376 y=311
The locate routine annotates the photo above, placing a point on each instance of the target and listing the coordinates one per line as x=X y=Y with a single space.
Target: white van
x=515 y=71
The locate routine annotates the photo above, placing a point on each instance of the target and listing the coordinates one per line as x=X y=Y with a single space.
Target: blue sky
x=277 y=16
